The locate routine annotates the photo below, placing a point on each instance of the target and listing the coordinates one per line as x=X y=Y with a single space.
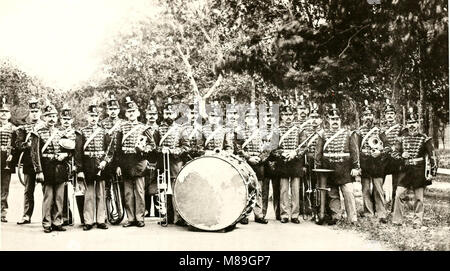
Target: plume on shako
x=131 y=105
x=49 y=108
x=151 y=107
x=333 y=111
x=4 y=104
x=302 y=102
x=412 y=115
x=314 y=109
x=388 y=107
x=367 y=109
x=112 y=102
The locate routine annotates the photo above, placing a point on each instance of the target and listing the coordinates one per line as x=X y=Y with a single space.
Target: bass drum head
x=210 y=193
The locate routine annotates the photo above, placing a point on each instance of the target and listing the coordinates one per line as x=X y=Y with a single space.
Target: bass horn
x=114 y=206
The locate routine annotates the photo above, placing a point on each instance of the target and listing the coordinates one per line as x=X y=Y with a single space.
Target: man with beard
x=337 y=149
x=171 y=143
x=373 y=162
x=307 y=147
x=214 y=135
x=67 y=132
x=47 y=159
x=251 y=148
x=7 y=139
x=271 y=138
x=112 y=124
x=392 y=132
x=289 y=165
x=91 y=158
x=132 y=147
x=415 y=148
x=23 y=144
x=151 y=189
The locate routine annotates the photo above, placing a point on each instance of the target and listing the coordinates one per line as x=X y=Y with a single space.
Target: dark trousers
x=276 y=197
x=28 y=195
x=6 y=179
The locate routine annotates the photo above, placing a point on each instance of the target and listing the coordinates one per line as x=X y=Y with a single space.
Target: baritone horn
x=164 y=188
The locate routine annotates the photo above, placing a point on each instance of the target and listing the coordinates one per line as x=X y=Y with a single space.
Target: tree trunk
x=420 y=106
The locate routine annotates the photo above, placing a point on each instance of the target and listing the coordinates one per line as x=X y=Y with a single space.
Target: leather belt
x=51 y=155
x=94 y=153
x=414 y=161
x=128 y=150
x=342 y=154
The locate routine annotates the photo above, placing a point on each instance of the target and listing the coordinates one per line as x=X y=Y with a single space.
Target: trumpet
x=164 y=188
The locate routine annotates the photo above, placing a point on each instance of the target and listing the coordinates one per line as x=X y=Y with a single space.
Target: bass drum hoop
x=223 y=158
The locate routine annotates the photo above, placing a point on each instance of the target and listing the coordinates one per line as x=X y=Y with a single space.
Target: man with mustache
x=24 y=145
x=171 y=142
x=289 y=165
x=337 y=149
x=271 y=138
x=215 y=136
x=309 y=138
x=151 y=189
x=414 y=147
x=91 y=158
x=47 y=159
x=68 y=132
x=392 y=131
x=192 y=133
x=251 y=148
x=112 y=124
x=373 y=163
x=7 y=139
x=132 y=147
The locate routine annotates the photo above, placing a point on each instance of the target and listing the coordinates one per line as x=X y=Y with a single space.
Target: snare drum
x=215 y=191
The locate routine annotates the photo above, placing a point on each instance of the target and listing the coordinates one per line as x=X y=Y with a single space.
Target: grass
x=434 y=235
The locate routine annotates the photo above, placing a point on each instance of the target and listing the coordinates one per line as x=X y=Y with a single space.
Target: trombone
x=164 y=188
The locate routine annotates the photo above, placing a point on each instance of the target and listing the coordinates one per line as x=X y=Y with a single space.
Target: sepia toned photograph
x=224 y=125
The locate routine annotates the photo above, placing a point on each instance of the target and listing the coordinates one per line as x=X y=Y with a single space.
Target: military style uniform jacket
x=45 y=161
x=309 y=137
x=217 y=138
x=111 y=128
x=192 y=135
x=289 y=140
x=131 y=160
x=170 y=137
x=417 y=147
x=371 y=166
x=271 y=138
x=23 y=144
x=152 y=131
x=392 y=135
x=253 y=138
x=90 y=150
x=7 y=143
x=341 y=154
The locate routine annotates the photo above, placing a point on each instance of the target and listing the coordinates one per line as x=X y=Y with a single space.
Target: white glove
x=102 y=165
x=118 y=171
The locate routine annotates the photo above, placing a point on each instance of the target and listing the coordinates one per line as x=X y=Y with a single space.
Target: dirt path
x=273 y=236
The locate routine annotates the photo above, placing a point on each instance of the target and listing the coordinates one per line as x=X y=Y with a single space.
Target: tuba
x=114 y=207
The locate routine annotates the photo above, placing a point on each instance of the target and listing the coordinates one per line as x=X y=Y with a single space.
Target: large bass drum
x=215 y=191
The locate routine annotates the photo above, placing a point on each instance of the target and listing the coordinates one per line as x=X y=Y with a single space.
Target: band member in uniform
x=304 y=127
x=215 y=136
x=7 y=141
x=172 y=142
x=23 y=146
x=48 y=164
x=289 y=165
x=192 y=134
x=91 y=158
x=420 y=165
x=373 y=163
x=309 y=137
x=392 y=132
x=67 y=132
x=337 y=149
x=112 y=124
x=132 y=147
x=271 y=139
x=251 y=148
x=151 y=189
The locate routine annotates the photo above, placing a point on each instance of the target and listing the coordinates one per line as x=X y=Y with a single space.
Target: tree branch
x=189 y=70
x=350 y=39
x=213 y=88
